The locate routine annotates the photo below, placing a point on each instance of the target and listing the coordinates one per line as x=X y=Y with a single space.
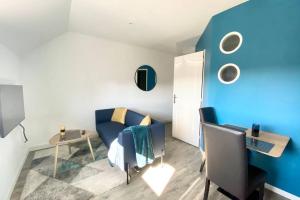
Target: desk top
x=280 y=142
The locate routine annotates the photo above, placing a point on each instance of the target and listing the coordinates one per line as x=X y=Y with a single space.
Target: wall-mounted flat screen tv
x=11 y=108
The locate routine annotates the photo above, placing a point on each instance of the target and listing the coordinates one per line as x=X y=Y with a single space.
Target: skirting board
x=281 y=192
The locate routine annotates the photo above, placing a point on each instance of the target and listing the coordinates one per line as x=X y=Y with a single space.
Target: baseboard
x=17 y=175
x=282 y=192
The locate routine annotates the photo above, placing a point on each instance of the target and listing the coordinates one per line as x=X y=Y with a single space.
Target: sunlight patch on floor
x=158 y=177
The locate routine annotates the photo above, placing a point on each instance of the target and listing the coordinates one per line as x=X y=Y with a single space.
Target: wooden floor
x=178 y=179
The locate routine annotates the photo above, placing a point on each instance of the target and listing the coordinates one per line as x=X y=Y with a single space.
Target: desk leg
x=55 y=161
x=91 y=149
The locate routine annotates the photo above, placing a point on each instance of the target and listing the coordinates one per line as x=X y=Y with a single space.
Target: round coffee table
x=71 y=137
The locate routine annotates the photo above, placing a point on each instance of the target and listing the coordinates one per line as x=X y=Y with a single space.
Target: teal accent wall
x=268 y=90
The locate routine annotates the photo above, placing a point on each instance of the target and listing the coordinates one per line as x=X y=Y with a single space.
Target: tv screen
x=11 y=108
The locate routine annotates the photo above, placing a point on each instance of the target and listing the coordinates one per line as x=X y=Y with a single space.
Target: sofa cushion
x=133 y=118
x=108 y=131
x=146 y=121
x=119 y=115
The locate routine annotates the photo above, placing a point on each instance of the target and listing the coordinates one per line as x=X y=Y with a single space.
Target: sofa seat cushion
x=108 y=131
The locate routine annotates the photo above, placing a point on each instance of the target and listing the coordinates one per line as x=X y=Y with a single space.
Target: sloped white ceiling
x=157 y=24
x=25 y=24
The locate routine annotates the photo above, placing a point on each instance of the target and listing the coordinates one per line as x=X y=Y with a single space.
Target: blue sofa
x=108 y=131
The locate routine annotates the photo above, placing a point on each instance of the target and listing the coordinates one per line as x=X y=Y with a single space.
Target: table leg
x=70 y=151
x=55 y=161
x=91 y=149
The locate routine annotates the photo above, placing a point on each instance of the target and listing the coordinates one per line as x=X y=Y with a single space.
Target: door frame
x=201 y=136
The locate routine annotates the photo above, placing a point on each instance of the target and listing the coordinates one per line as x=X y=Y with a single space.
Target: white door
x=187 y=94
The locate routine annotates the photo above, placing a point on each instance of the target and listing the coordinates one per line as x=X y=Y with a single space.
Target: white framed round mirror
x=229 y=73
x=231 y=42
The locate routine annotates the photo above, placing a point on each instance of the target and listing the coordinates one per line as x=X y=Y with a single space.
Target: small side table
x=56 y=141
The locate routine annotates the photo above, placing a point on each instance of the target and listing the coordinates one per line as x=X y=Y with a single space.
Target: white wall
x=187 y=46
x=70 y=77
x=12 y=148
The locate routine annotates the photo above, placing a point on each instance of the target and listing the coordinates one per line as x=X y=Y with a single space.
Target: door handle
x=174 y=98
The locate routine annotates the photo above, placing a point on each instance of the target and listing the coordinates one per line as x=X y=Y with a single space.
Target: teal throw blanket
x=143 y=144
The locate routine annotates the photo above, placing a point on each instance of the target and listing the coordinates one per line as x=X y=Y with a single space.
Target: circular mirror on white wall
x=231 y=42
x=229 y=73
x=145 y=78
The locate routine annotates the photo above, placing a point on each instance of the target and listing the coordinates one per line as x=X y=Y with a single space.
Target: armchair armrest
x=103 y=115
x=125 y=139
x=158 y=138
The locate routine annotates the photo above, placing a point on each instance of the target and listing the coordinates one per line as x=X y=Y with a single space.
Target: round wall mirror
x=145 y=78
x=231 y=42
x=229 y=73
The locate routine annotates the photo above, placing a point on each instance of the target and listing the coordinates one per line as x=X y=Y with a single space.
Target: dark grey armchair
x=227 y=163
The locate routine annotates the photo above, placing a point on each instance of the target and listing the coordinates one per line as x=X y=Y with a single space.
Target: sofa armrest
x=103 y=115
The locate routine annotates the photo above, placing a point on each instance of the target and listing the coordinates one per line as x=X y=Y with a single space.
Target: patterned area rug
x=78 y=176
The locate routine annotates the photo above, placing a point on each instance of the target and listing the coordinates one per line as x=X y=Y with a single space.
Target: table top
x=280 y=142
x=55 y=140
